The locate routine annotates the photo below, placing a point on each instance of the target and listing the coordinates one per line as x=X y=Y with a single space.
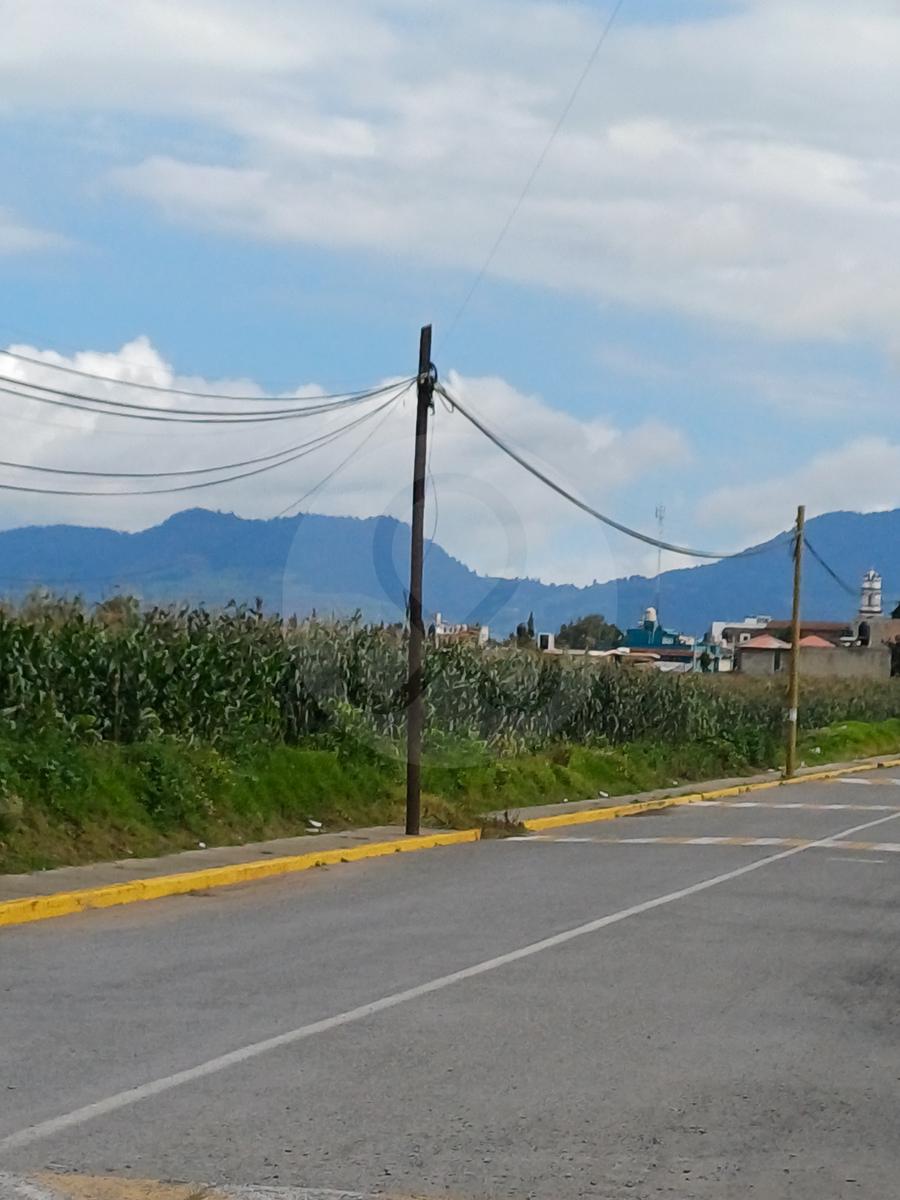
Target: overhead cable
x=169 y=390
x=340 y=466
x=535 y=170
x=79 y=400
x=172 y=417
x=188 y=487
x=73 y=404
x=848 y=588
x=587 y=508
x=128 y=574
x=247 y=462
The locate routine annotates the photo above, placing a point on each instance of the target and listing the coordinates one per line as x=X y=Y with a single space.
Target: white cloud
x=17 y=238
x=862 y=476
x=492 y=515
x=740 y=168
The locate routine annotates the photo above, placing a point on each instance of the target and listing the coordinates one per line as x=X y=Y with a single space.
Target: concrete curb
x=62 y=904
x=613 y=811
x=635 y=808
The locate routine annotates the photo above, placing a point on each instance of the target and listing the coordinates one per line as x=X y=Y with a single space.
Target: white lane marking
x=156 y=1087
x=728 y=841
x=853 y=779
x=731 y=840
x=854 y=859
x=14 y=1188
x=287 y=1193
x=811 y=807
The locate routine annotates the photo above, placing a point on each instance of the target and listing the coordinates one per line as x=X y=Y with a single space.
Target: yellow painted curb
x=836 y=773
x=62 y=904
x=613 y=811
x=586 y=816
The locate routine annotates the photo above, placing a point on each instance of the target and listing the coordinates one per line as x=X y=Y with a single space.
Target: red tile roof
x=765 y=641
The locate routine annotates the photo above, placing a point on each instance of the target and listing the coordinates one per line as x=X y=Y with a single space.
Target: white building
x=732 y=633
x=444 y=633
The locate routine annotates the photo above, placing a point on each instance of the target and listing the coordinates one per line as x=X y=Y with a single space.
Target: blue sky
x=699 y=285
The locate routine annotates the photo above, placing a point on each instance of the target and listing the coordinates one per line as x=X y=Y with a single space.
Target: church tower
x=871 y=604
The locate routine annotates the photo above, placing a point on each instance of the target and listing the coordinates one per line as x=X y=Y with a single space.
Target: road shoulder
x=67 y=890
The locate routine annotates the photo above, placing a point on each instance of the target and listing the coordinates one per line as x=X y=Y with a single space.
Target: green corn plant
x=127 y=674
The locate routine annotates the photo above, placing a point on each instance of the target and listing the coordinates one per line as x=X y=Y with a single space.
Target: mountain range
x=343 y=564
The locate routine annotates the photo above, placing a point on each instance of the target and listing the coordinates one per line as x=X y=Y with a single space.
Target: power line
x=535 y=171
x=593 y=512
x=168 y=390
x=125 y=408
x=848 y=588
x=188 y=487
x=130 y=432
x=343 y=463
x=127 y=574
x=248 y=462
x=117 y=408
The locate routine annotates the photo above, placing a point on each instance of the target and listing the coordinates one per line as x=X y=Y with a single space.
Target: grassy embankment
x=67 y=802
x=125 y=731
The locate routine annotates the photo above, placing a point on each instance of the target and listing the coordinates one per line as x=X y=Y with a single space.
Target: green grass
x=65 y=802
x=850 y=739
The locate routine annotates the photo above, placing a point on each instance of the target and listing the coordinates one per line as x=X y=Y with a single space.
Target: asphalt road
x=614 y=1010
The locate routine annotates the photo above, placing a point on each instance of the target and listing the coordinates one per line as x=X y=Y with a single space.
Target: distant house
x=620 y=656
x=729 y=634
x=546 y=643
x=676 y=651
x=762 y=655
x=857 y=649
x=767 y=655
x=442 y=633
x=650 y=635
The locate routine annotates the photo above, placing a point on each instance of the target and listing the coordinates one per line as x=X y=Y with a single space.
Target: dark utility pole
x=415 y=711
x=790 y=762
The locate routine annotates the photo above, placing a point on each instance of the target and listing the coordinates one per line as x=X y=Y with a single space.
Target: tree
x=524 y=639
x=531 y=625
x=592 y=632
x=895 y=615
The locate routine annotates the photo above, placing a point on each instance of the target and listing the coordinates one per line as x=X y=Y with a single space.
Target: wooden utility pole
x=415 y=700
x=790 y=762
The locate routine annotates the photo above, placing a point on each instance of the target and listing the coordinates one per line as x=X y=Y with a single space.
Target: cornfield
x=124 y=674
